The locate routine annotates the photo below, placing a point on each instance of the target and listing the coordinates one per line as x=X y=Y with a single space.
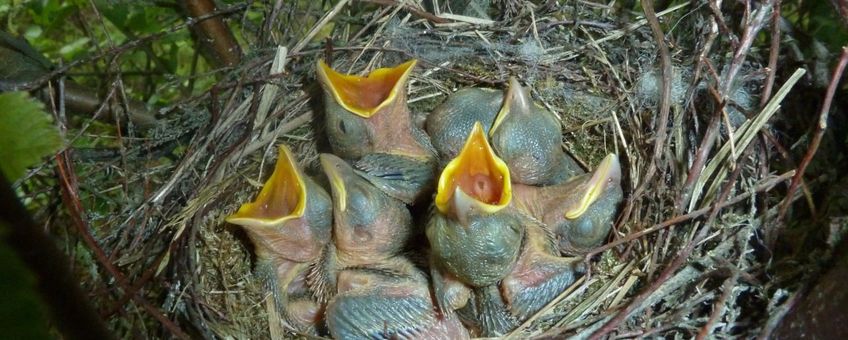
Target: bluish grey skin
x=528 y=138
x=451 y=122
x=388 y=149
x=491 y=263
x=369 y=226
x=390 y=300
x=549 y=205
x=378 y=294
x=581 y=235
x=480 y=253
x=472 y=259
x=405 y=177
x=295 y=299
x=498 y=270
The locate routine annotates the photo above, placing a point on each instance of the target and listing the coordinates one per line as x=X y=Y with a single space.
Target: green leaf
x=22 y=312
x=27 y=134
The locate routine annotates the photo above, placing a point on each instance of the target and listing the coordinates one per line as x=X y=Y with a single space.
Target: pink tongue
x=482 y=188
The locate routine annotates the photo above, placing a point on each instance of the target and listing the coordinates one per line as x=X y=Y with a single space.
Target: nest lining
x=596 y=77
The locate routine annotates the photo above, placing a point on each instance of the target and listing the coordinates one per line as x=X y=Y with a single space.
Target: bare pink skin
x=293 y=240
x=303 y=313
x=391 y=129
x=361 y=246
x=538 y=266
x=547 y=204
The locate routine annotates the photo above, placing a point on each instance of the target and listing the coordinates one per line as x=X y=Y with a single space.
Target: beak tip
x=613 y=166
x=607 y=175
x=329 y=162
x=333 y=167
x=513 y=82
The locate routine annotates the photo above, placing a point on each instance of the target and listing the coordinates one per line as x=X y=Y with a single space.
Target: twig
x=145 y=277
x=765 y=185
x=69 y=308
x=665 y=105
x=718 y=309
x=701 y=155
x=817 y=137
x=774 y=51
x=425 y=62
x=676 y=263
x=213 y=35
x=68 y=184
x=715 y=10
x=752 y=28
x=595 y=24
x=318 y=26
x=423 y=14
x=130 y=45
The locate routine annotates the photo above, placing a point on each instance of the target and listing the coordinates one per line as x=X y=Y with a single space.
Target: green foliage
x=64 y=31
x=824 y=23
x=27 y=134
x=22 y=313
x=818 y=20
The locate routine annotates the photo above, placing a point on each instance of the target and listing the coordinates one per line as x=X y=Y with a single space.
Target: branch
x=417 y=12
x=214 y=36
x=662 y=122
x=752 y=28
x=678 y=261
x=817 y=136
x=765 y=185
x=68 y=184
x=69 y=307
x=22 y=67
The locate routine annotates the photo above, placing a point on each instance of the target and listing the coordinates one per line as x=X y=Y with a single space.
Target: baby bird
x=492 y=264
x=450 y=122
x=368 y=122
x=289 y=224
x=580 y=211
x=378 y=293
x=472 y=235
x=525 y=135
x=528 y=137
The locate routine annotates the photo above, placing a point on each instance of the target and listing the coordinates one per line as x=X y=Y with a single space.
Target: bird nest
x=689 y=109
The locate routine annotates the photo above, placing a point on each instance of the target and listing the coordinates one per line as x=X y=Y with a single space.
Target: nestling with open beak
x=368 y=123
x=379 y=294
x=528 y=138
x=491 y=263
x=580 y=211
x=289 y=224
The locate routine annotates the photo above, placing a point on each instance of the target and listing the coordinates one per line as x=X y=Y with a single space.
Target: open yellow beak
x=364 y=96
x=283 y=197
x=516 y=99
x=608 y=170
x=476 y=177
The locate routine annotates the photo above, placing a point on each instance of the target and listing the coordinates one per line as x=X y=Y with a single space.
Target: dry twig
x=814 y=144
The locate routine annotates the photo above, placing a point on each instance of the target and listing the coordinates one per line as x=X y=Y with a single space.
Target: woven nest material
x=678 y=266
